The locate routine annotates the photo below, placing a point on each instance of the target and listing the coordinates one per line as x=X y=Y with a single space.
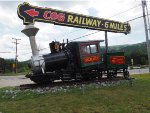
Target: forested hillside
x=137 y=52
x=21 y=66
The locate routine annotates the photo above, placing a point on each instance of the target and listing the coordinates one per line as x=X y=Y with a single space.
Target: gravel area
x=13 y=92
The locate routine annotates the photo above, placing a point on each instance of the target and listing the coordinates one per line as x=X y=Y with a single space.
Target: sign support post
x=106 y=42
x=31 y=32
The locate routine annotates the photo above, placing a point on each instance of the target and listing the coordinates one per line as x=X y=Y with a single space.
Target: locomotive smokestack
x=31 y=31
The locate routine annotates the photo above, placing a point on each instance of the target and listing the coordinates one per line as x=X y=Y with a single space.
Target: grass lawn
x=112 y=99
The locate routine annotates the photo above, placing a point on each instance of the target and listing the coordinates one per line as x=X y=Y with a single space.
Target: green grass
x=113 y=99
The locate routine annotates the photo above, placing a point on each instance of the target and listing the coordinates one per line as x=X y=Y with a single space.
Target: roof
x=87 y=41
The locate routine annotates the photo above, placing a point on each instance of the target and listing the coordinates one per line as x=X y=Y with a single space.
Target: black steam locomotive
x=79 y=60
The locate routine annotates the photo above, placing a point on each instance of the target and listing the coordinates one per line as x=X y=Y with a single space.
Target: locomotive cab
x=86 y=53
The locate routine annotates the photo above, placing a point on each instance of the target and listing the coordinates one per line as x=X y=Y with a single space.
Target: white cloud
x=113 y=38
x=121 y=40
x=11 y=25
x=79 y=9
x=110 y=9
x=46 y=28
x=34 y=3
x=9 y=18
x=8 y=46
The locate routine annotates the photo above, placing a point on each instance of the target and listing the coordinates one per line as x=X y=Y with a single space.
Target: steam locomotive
x=78 y=60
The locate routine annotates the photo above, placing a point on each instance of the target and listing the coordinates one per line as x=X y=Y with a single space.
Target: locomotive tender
x=79 y=60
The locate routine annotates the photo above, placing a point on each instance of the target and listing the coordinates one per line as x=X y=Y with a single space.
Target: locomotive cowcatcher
x=79 y=60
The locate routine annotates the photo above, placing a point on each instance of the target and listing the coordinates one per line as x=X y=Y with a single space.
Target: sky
x=118 y=10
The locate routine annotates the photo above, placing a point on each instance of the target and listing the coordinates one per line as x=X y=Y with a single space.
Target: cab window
x=89 y=49
x=85 y=49
x=93 y=48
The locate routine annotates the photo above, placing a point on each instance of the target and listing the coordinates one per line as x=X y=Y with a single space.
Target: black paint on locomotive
x=69 y=62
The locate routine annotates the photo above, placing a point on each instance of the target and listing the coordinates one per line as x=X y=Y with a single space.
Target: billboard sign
x=30 y=14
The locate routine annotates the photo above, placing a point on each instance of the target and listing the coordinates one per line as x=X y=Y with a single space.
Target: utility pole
x=146 y=31
x=16 y=43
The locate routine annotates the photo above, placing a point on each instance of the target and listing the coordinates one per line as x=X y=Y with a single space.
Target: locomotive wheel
x=115 y=73
x=41 y=79
x=126 y=74
x=100 y=75
x=110 y=75
x=85 y=77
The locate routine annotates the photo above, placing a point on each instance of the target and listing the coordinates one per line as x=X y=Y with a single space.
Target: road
x=6 y=81
x=139 y=71
x=14 y=80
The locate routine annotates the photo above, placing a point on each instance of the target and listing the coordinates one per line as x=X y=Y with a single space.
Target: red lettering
x=53 y=16
x=117 y=60
x=91 y=59
x=48 y=15
x=61 y=17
